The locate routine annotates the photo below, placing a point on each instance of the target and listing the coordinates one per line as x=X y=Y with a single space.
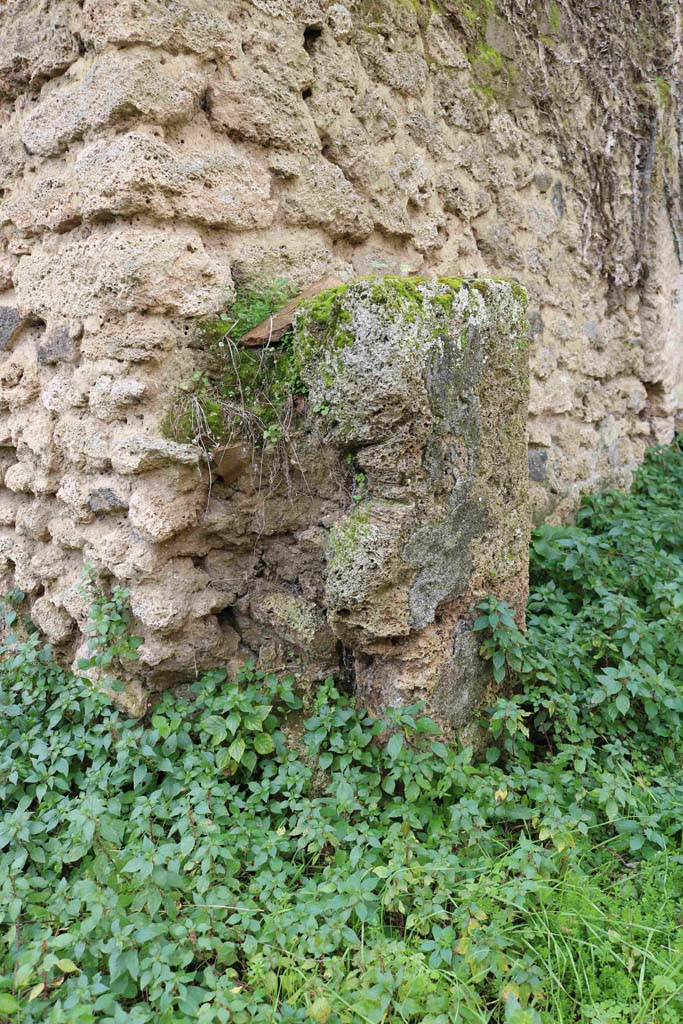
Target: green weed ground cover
x=236 y=858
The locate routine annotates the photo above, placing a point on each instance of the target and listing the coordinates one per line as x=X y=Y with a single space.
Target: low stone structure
x=156 y=155
x=424 y=388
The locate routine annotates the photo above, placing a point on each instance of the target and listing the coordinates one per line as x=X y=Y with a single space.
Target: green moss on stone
x=345 y=538
x=298 y=617
x=255 y=385
x=554 y=17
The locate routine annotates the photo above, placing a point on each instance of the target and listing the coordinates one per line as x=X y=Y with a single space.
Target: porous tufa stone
x=444 y=366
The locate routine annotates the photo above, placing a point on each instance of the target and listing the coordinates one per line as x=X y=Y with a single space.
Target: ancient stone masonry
x=156 y=156
x=424 y=389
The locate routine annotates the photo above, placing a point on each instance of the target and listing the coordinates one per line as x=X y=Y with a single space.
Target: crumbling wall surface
x=424 y=388
x=155 y=154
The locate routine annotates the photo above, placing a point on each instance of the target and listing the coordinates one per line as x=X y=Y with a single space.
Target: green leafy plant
x=244 y=392
x=238 y=858
x=109 y=639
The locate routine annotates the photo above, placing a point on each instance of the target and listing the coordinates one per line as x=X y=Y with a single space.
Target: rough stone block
x=199 y=646
x=32 y=48
x=323 y=197
x=10 y=322
x=19 y=380
x=118 y=86
x=83 y=442
x=196 y=26
x=121 y=269
x=111 y=398
x=214 y=183
x=292 y=10
x=405 y=71
x=41 y=202
x=142 y=453
x=55 y=623
x=260 y=107
x=10 y=505
x=178 y=592
x=444 y=518
x=86 y=495
x=160 y=512
x=131 y=340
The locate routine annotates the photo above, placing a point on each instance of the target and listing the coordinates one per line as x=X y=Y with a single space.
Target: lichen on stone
x=428 y=377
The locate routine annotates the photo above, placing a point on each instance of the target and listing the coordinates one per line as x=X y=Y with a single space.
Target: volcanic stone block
x=423 y=385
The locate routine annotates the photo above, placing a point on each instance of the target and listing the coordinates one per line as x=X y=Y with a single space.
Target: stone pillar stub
x=423 y=387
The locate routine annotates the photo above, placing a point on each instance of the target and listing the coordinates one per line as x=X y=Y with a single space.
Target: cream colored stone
x=25 y=477
x=119 y=549
x=553 y=395
x=116 y=86
x=42 y=202
x=33 y=49
x=323 y=197
x=110 y=399
x=118 y=269
x=63 y=393
x=663 y=429
x=140 y=454
x=179 y=591
x=404 y=70
x=65 y=532
x=131 y=340
x=299 y=255
x=341 y=22
x=19 y=380
x=259 y=106
x=195 y=25
x=10 y=504
x=291 y=10
x=55 y=623
x=83 y=442
x=34 y=434
x=215 y=183
x=160 y=512
x=12 y=153
x=33 y=519
x=201 y=645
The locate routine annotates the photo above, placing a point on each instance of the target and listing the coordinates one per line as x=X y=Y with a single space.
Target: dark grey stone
x=57 y=347
x=10 y=321
x=538 y=464
x=557 y=199
x=590 y=330
x=106 y=500
x=543 y=181
x=536 y=325
x=465 y=681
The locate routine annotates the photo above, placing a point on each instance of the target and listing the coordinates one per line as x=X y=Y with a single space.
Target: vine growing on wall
x=626 y=61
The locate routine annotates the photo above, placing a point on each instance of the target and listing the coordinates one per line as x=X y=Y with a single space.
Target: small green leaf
x=662 y=983
x=67 y=966
x=236 y=749
x=263 y=743
x=623 y=703
x=394 y=746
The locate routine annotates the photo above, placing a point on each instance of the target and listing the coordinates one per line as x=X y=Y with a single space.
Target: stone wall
x=154 y=154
